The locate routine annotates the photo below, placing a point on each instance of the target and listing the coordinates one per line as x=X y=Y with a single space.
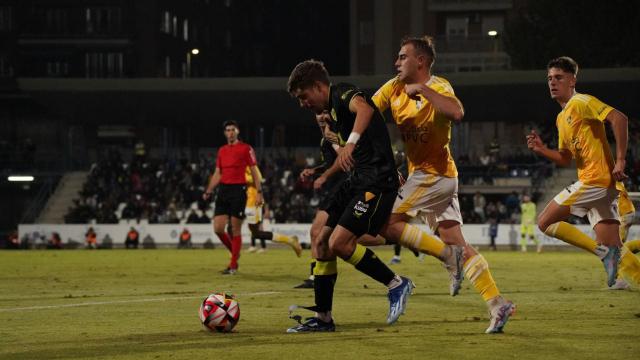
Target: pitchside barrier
x=163 y=235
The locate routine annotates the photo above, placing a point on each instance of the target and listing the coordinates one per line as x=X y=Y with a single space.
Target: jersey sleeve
x=251 y=156
x=562 y=143
x=443 y=87
x=382 y=97
x=596 y=109
x=345 y=93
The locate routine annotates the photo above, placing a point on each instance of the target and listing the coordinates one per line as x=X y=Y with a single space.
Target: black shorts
x=327 y=196
x=231 y=200
x=360 y=211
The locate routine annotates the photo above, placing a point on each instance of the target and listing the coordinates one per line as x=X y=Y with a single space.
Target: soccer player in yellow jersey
x=253 y=212
x=527 y=223
x=626 y=212
x=581 y=135
x=423 y=106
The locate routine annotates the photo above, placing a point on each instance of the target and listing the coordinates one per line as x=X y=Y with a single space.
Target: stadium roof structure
x=487 y=96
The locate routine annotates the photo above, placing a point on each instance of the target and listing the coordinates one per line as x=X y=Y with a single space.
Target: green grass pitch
x=142 y=304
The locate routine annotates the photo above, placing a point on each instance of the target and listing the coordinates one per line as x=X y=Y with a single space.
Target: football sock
x=629 y=264
x=633 y=245
x=368 y=263
x=236 y=245
x=476 y=269
x=312 y=266
x=414 y=238
x=571 y=235
x=226 y=241
x=279 y=238
x=325 y=276
x=396 y=250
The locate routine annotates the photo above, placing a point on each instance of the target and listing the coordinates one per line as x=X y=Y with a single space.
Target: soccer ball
x=219 y=312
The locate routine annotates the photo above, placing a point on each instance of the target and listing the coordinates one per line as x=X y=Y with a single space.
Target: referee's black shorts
x=231 y=200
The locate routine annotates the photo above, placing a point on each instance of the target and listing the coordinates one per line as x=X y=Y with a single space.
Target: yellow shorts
x=597 y=203
x=432 y=198
x=253 y=214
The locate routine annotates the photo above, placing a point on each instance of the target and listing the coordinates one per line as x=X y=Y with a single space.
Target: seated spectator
x=184 y=242
x=91 y=239
x=55 y=242
x=133 y=239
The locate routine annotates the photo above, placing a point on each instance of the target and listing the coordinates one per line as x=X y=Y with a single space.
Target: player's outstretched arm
x=535 y=144
x=619 y=124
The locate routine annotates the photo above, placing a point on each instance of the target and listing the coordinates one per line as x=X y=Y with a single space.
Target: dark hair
x=230 y=123
x=305 y=75
x=422 y=45
x=565 y=63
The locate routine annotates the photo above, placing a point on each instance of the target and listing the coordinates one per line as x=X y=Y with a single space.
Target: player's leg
x=236 y=244
x=366 y=213
x=523 y=237
x=259 y=233
x=476 y=269
x=325 y=274
x=220 y=229
x=396 y=254
x=318 y=223
x=253 y=228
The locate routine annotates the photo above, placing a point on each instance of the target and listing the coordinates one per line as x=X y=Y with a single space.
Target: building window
x=185 y=30
x=457 y=27
x=104 y=65
x=56 y=21
x=174 y=26
x=57 y=68
x=103 y=20
x=167 y=66
x=6 y=21
x=166 y=22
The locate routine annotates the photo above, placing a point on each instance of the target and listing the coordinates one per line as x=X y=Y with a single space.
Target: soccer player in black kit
x=363 y=204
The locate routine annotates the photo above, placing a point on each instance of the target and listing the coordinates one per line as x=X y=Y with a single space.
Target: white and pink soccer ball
x=219 y=312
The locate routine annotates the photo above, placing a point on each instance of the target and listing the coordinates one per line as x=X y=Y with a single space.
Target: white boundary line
x=45 y=307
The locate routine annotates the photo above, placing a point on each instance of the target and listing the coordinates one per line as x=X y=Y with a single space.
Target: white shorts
x=253 y=214
x=432 y=198
x=596 y=202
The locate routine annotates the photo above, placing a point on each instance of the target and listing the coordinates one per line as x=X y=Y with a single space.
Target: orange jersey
x=252 y=192
x=425 y=132
x=581 y=131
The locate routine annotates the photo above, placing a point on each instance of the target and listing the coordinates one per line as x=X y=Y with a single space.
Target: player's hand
x=308 y=172
x=206 y=195
x=331 y=136
x=534 y=142
x=345 y=157
x=618 y=170
x=259 y=200
x=413 y=90
x=317 y=185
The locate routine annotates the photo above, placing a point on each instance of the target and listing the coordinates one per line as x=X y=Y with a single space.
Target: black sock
x=396 y=249
x=323 y=289
x=253 y=241
x=263 y=235
x=371 y=265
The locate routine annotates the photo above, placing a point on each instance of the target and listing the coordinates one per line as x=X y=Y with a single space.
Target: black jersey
x=374 y=163
x=329 y=156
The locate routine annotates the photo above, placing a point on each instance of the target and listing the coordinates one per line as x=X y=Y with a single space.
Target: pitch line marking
x=44 y=307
